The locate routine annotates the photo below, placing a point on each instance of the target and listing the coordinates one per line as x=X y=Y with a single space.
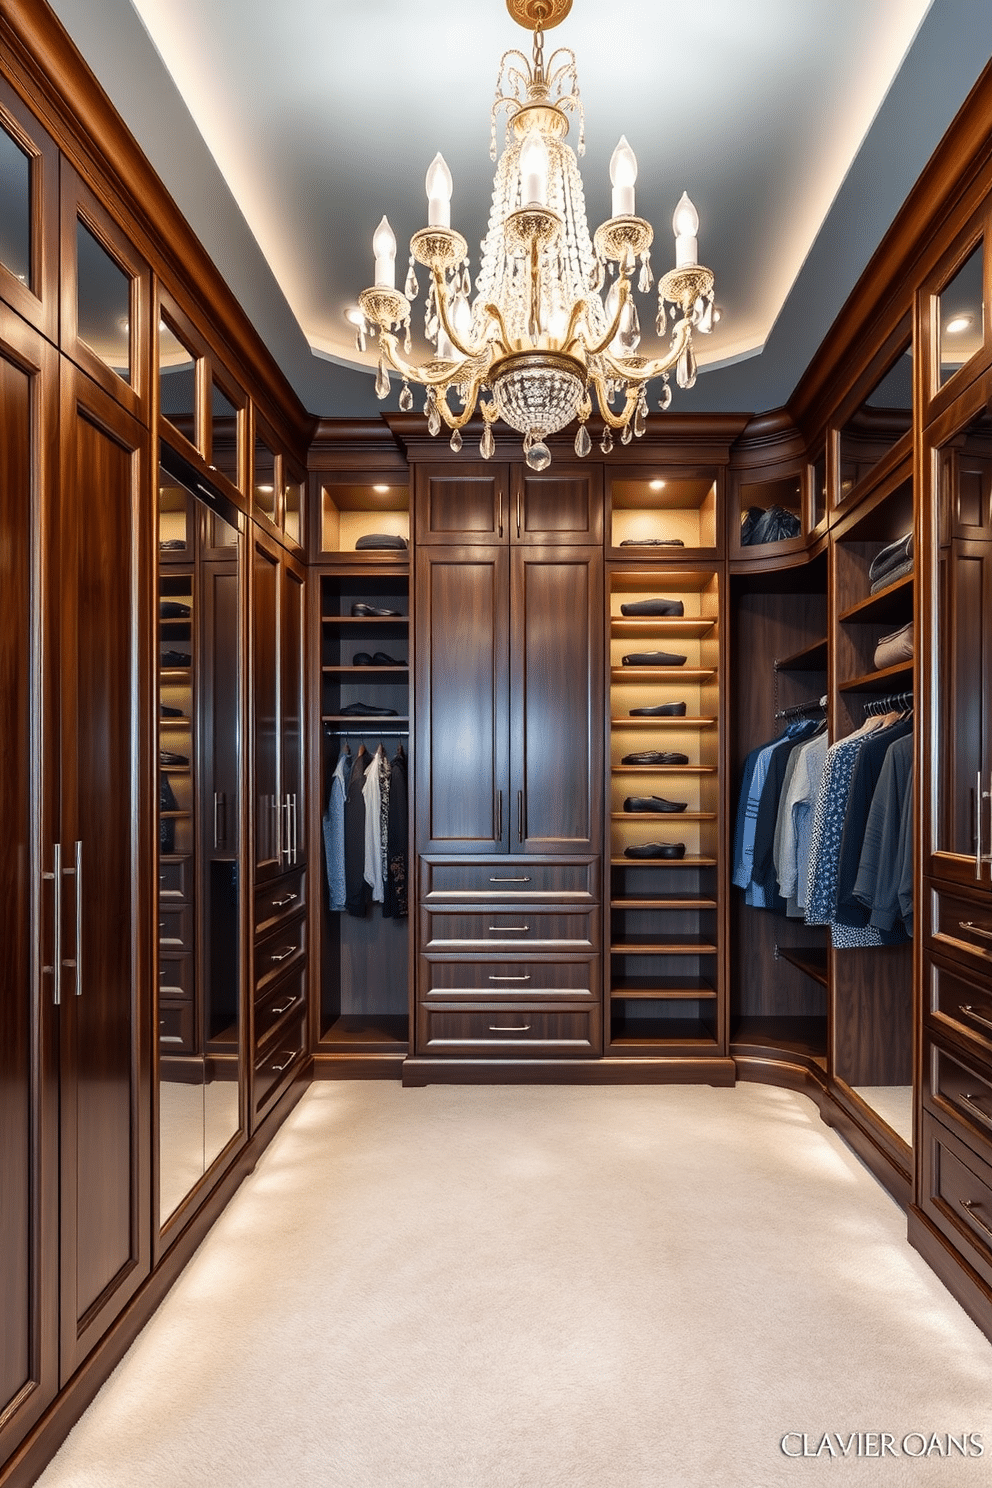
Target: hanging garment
x=756 y=813
x=881 y=880
x=384 y=783
x=794 y=825
x=865 y=777
x=828 y=829
x=372 y=863
x=333 y=824
x=359 y=895
x=395 y=901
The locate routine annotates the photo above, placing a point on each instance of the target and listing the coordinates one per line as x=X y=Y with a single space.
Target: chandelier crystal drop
x=553 y=323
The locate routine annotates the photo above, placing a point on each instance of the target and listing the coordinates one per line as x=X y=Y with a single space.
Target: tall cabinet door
x=267 y=849
x=556 y=710
x=292 y=618
x=28 y=1091
x=462 y=703
x=104 y=831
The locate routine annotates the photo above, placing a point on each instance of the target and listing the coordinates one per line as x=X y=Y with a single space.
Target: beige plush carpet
x=547 y=1288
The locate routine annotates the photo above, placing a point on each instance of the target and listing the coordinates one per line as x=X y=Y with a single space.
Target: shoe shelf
x=812 y=658
x=662 y=959
x=358 y=723
x=897 y=678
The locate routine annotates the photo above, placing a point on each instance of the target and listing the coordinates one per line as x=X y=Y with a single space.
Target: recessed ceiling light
x=958 y=323
x=381 y=489
x=657 y=485
x=265 y=490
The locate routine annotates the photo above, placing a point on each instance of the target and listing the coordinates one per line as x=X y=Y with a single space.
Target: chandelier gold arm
x=571 y=340
x=436 y=373
x=623 y=295
x=642 y=370
x=441 y=301
x=614 y=420
x=459 y=420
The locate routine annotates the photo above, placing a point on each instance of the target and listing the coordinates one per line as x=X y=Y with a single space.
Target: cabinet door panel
x=104 y=1157
x=556 y=707
x=462 y=503
x=291 y=621
x=462 y=765
x=965 y=718
x=28 y=1153
x=265 y=705
x=560 y=505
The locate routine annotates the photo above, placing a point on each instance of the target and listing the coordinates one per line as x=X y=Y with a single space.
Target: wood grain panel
x=465 y=502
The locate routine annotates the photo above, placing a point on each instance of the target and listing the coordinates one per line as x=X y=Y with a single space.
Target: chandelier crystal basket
x=553 y=320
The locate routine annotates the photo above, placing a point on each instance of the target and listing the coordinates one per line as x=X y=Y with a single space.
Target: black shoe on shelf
x=175 y=658
x=168 y=712
x=656 y=850
x=652 y=542
x=166 y=757
x=655 y=757
x=173 y=609
x=172 y=545
x=660 y=710
x=638 y=607
x=381 y=659
x=367 y=609
x=362 y=658
x=367 y=710
x=654 y=659
x=652 y=803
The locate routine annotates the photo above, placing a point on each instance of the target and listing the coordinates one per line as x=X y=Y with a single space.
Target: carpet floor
x=548 y=1287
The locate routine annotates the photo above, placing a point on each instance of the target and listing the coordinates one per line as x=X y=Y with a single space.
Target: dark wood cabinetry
x=471 y=502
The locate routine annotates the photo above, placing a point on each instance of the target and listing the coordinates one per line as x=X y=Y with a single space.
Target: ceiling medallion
x=540 y=337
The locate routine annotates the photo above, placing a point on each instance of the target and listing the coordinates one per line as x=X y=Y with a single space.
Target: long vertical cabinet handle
x=287 y=851
x=518 y=511
x=55 y=877
x=79 y=919
x=277 y=812
x=978 y=827
x=216 y=820
x=296 y=827
x=520 y=816
x=499 y=816
x=499 y=512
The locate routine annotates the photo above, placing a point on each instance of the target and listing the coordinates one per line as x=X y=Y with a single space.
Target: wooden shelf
x=811 y=659
x=356 y=721
x=663 y=862
x=371 y=672
x=672 y=627
x=663 y=770
x=890 y=679
x=366 y=1033
x=662 y=674
x=688 y=945
x=663 y=722
x=377 y=620
x=651 y=1032
x=809 y=959
x=803 y=1036
x=892 y=603
x=670 y=901
x=655 y=989
x=659 y=816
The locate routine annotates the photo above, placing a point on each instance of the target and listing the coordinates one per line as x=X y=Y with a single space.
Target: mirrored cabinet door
x=201 y=974
x=29 y=215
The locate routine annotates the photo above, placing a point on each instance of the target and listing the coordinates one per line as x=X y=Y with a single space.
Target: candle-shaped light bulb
x=384 y=248
x=686 y=225
x=623 y=174
x=534 y=169
x=438 y=192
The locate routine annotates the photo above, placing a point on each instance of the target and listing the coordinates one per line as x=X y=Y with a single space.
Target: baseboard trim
x=952 y=1270
x=419 y=1072
x=358 y=1066
x=43 y=1441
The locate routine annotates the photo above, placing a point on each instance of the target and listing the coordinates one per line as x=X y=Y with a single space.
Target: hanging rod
x=894 y=702
x=358 y=733
x=804 y=710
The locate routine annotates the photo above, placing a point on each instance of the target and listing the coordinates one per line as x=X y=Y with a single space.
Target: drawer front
x=489 y=928
x=958 y=1091
x=175 y=927
x=279 y=901
x=175 y=1027
x=278 y=1064
x=174 y=879
x=957 y=1195
x=501 y=879
x=275 y=954
x=963 y=1005
x=175 y=976
x=962 y=927
x=497 y=1032
x=444 y=980
x=279 y=1000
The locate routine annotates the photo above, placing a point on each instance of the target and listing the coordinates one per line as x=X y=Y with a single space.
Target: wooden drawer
x=176 y=1028
x=175 y=927
x=962 y=927
x=520 y=1031
x=454 y=929
x=500 y=879
x=279 y=1000
x=175 y=976
x=279 y=901
x=279 y=1062
x=276 y=953
x=962 y=1005
x=957 y=1194
x=957 y=1092
x=174 y=878
x=505 y=980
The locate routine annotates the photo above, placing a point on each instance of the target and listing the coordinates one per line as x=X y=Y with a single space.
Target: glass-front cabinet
x=200 y=772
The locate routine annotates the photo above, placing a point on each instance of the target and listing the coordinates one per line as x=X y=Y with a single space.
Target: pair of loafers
x=367 y=609
x=652 y=803
x=175 y=658
x=367 y=710
x=655 y=757
x=660 y=710
x=654 y=659
x=362 y=658
x=656 y=850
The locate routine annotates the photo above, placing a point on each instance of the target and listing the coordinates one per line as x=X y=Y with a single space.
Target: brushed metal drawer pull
x=506 y=929
x=975 y=929
x=282 y=955
x=281 y=903
x=502 y=1028
x=970 y=1206
x=969 y=1012
x=169 y=1038
x=509 y=880
x=971 y=1101
x=277 y=1012
x=510 y=978
x=280 y=1067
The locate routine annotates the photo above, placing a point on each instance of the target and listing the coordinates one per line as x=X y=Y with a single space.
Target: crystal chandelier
x=553 y=319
